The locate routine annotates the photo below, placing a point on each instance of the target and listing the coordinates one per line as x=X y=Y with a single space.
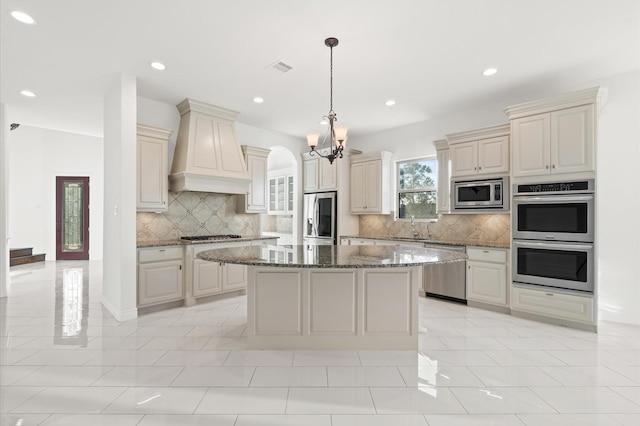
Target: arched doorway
x=284 y=204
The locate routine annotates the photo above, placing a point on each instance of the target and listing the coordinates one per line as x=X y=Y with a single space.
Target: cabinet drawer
x=487 y=255
x=554 y=305
x=159 y=254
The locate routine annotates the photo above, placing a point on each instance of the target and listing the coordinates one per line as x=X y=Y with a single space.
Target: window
x=417 y=188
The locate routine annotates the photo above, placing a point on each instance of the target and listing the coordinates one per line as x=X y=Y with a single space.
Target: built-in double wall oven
x=553 y=235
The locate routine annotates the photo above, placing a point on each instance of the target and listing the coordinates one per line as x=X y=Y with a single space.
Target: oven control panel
x=555 y=187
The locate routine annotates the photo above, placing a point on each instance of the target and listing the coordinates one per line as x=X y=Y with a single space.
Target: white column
x=119 y=257
x=4 y=204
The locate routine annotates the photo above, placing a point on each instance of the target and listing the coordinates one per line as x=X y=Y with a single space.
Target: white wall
x=119 y=287
x=37 y=157
x=618 y=172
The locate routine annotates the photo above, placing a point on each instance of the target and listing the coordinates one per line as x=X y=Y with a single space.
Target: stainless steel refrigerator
x=319 y=226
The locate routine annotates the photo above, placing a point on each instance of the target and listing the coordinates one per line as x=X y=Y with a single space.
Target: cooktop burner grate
x=211 y=237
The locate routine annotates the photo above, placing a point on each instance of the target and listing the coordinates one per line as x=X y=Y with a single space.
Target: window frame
x=399 y=191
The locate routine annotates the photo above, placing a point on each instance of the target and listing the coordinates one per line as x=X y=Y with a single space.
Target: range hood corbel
x=208 y=156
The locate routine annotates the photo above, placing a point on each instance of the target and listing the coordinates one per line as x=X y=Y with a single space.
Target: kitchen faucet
x=416 y=234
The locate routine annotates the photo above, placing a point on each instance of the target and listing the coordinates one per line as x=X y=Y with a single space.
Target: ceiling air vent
x=280 y=67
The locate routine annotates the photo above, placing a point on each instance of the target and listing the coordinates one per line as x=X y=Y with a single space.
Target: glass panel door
x=72 y=218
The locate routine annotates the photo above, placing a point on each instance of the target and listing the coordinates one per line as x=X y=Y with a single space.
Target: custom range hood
x=208 y=157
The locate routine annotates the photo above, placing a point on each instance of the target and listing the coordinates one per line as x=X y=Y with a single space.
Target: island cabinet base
x=333 y=308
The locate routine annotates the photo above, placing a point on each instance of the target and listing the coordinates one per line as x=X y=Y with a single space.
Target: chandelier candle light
x=338 y=133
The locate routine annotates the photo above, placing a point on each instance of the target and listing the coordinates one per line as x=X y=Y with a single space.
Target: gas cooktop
x=211 y=237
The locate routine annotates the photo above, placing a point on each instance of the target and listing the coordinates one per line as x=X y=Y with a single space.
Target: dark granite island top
x=329 y=256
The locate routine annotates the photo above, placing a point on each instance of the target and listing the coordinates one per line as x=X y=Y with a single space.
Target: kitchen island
x=332 y=297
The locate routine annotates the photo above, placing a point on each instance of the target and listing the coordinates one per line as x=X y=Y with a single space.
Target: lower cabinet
x=554 y=304
x=212 y=277
x=205 y=278
x=159 y=275
x=487 y=275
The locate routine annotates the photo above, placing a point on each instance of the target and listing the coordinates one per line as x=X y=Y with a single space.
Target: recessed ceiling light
x=23 y=17
x=489 y=71
x=158 y=66
x=258 y=100
x=390 y=102
x=28 y=93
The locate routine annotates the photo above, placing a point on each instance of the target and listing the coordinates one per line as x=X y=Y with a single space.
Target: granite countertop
x=329 y=256
x=437 y=242
x=164 y=243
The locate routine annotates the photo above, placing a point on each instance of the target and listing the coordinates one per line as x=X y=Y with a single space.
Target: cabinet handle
x=475 y=168
x=553 y=167
x=485 y=251
x=469 y=267
x=161 y=250
x=549 y=294
x=546 y=167
x=479 y=168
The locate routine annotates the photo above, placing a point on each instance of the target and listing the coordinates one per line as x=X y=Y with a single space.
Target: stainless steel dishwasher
x=447 y=280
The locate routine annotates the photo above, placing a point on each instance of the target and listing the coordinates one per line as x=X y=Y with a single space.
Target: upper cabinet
x=319 y=174
x=152 y=169
x=371 y=183
x=555 y=142
x=256 y=199
x=555 y=136
x=444 y=176
x=481 y=152
x=280 y=190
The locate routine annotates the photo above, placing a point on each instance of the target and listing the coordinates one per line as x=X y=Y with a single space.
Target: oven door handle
x=553 y=198
x=555 y=245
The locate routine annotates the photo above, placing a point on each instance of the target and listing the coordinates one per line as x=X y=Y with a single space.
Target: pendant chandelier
x=337 y=134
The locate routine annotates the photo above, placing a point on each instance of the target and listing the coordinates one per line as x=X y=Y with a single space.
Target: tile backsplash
x=470 y=228
x=196 y=213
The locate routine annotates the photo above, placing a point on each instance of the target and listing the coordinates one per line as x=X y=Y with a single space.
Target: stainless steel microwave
x=482 y=195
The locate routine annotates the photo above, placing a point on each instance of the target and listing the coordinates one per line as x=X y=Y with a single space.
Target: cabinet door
x=152 y=178
x=444 y=181
x=372 y=185
x=358 y=195
x=493 y=155
x=572 y=136
x=531 y=145
x=159 y=282
x=310 y=173
x=257 y=197
x=290 y=194
x=328 y=174
x=206 y=278
x=464 y=159
x=234 y=276
x=487 y=282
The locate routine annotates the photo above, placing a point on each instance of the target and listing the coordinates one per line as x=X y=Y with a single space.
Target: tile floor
x=65 y=361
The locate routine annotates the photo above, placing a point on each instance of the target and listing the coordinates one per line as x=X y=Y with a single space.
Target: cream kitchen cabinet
x=479 y=152
x=213 y=277
x=555 y=142
x=483 y=157
x=443 y=159
x=205 y=278
x=152 y=178
x=159 y=275
x=567 y=308
x=556 y=136
x=256 y=199
x=280 y=192
x=370 y=180
x=487 y=275
x=319 y=174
